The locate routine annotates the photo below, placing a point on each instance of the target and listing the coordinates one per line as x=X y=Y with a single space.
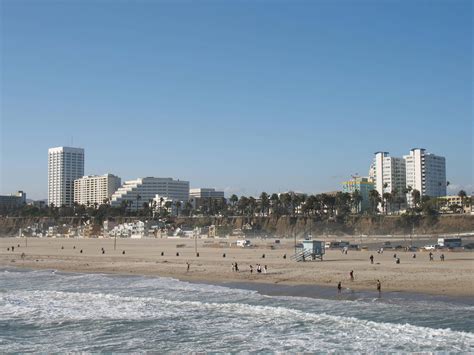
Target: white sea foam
x=112 y=313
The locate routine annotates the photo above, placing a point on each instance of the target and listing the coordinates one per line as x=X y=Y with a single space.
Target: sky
x=245 y=96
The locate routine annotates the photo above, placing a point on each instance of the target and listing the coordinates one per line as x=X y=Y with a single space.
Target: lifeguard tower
x=310 y=250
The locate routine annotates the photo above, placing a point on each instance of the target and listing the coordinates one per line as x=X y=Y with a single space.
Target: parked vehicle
x=243 y=243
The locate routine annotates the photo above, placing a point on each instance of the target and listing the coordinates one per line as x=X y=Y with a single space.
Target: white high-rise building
x=426 y=173
x=65 y=164
x=94 y=189
x=136 y=192
x=388 y=173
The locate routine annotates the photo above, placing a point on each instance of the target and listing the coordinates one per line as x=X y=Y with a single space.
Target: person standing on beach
x=251 y=269
x=371 y=259
x=431 y=256
x=442 y=257
x=233 y=267
x=351 y=274
x=265 y=269
x=188 y=266
x=236 y=267
x=379 y=286
x=339 y=287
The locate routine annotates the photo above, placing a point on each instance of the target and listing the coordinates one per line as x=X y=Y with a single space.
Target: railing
x=302 y=255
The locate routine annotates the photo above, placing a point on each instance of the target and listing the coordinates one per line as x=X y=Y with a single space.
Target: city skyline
x=89 y=183
x=245 y=98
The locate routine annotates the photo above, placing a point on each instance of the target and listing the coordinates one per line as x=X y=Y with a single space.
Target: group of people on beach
x=397 y=259
x=259 y=269
x=12 y=247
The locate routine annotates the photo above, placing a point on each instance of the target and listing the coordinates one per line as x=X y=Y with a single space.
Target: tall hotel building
x=93 y=189
x=65 y=164
x=426 y=173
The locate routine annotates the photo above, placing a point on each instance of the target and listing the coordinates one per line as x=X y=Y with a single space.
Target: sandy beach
x=453 y=277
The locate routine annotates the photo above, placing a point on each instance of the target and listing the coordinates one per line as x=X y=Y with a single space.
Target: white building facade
x=426 y=173
x=94 y=189
x=144 y=190
x=388 y=173
x=65 y=164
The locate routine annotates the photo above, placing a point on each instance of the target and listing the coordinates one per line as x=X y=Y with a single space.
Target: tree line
x=322 y=206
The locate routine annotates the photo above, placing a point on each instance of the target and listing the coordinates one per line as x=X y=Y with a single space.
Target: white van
x=243 y=243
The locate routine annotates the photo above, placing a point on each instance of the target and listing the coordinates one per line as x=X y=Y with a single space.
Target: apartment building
x=65 y=164
x=388 y=174
x=95 y=189
x=426 y=173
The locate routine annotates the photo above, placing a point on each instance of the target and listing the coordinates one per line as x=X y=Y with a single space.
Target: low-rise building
x=449 y=204
x=9 y=202
x=95 y=189
x=363 y=185
x=202 y=196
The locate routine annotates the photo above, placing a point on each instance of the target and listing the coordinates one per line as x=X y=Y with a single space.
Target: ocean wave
x=229 y=319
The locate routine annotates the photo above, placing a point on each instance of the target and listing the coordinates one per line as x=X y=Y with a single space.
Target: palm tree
x=463 y=196
x=234 y=199
x=356 y=200
x=138 y=198
x=252 y=205
x=386 y=197
x=416 y=197
x=178 y=206
x=285 y=200
x=161 y=204
x=242 y=204
x=264 y=202
x=374 y=198
x=275 y=201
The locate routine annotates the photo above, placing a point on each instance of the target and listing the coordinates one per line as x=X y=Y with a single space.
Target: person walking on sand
x=265 y=269
x=236 y=267
x=442 y=257
x=431 y=256
x=251 y=269
x=371 y=259
x=379 y=286
x=188 y=265
x=339 y=287
x=351 y=274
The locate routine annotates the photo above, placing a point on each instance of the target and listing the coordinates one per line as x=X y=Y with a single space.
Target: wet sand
x=453 y=277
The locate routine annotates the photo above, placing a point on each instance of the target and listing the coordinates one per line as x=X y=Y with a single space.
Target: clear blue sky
x=247 y=96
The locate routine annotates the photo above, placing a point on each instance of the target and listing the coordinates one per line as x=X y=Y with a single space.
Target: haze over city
x=245 y=97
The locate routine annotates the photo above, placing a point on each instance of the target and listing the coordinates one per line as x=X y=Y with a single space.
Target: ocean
x=50 y=311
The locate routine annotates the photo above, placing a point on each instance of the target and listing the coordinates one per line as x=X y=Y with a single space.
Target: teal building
x=363 y=185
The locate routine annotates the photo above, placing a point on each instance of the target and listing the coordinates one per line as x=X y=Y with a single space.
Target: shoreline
x=452 y=278
x=313 y=291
